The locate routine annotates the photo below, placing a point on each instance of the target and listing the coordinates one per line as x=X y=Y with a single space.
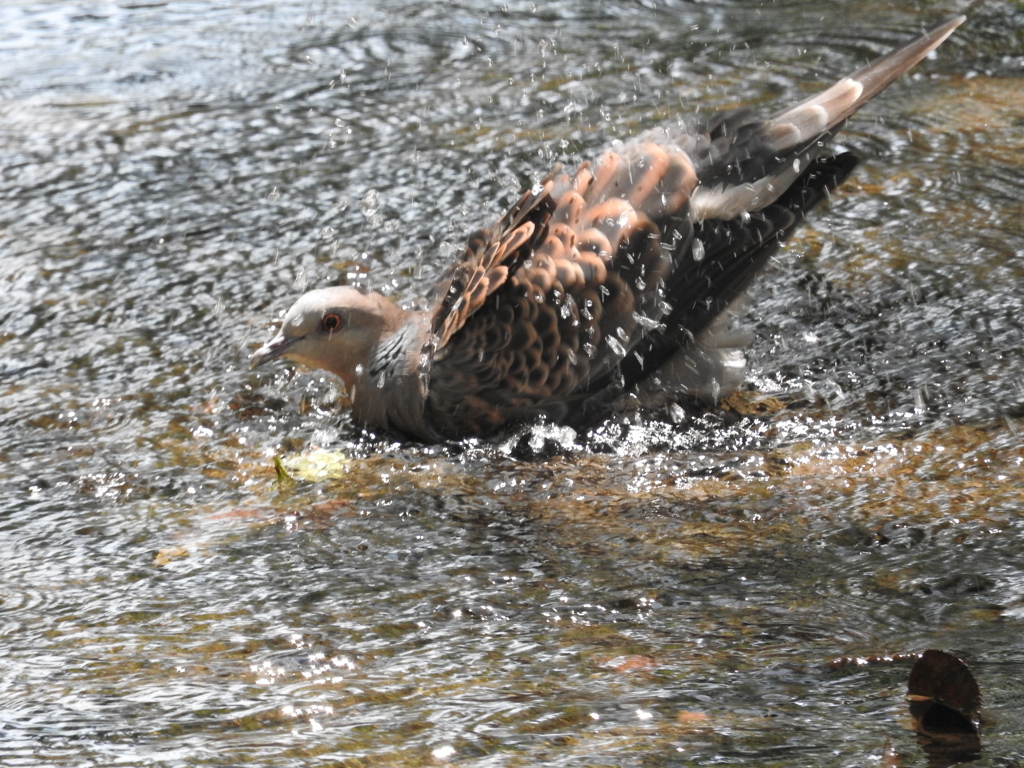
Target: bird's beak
x=272 y=350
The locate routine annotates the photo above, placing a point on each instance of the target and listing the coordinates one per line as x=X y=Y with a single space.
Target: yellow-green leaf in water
x=312 y=466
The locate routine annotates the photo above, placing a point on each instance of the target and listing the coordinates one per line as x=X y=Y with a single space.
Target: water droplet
x=676 y=413
x=370 y=203
x=698 y=250
x=509 y=183
x=566 y=308
x=647 y=323
x=613 y=344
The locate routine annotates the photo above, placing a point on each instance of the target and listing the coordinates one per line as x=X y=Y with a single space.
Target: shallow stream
x=654 y=593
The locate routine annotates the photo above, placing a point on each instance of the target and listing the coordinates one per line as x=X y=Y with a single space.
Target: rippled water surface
x=652 y=593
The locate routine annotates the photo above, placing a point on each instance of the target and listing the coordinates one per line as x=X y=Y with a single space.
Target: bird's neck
x=391 y=389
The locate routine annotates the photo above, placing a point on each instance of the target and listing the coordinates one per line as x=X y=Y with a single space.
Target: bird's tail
x=747 y=163
x=827 y=110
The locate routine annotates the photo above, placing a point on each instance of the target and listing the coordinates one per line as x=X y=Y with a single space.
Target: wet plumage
x=615 y=277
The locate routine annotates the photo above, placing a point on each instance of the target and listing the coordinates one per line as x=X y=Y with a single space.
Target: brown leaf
x=944 y=696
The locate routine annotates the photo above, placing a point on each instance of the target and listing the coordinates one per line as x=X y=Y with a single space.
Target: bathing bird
x=603 y=285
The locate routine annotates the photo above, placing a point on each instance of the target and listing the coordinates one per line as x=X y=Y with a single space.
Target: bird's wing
x=488 y=259
x=584 y=282
x=567 y=229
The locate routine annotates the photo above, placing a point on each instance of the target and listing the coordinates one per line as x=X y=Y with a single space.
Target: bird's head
x=335 y=329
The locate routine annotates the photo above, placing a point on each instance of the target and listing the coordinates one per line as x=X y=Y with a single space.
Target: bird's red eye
x=332 y=321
